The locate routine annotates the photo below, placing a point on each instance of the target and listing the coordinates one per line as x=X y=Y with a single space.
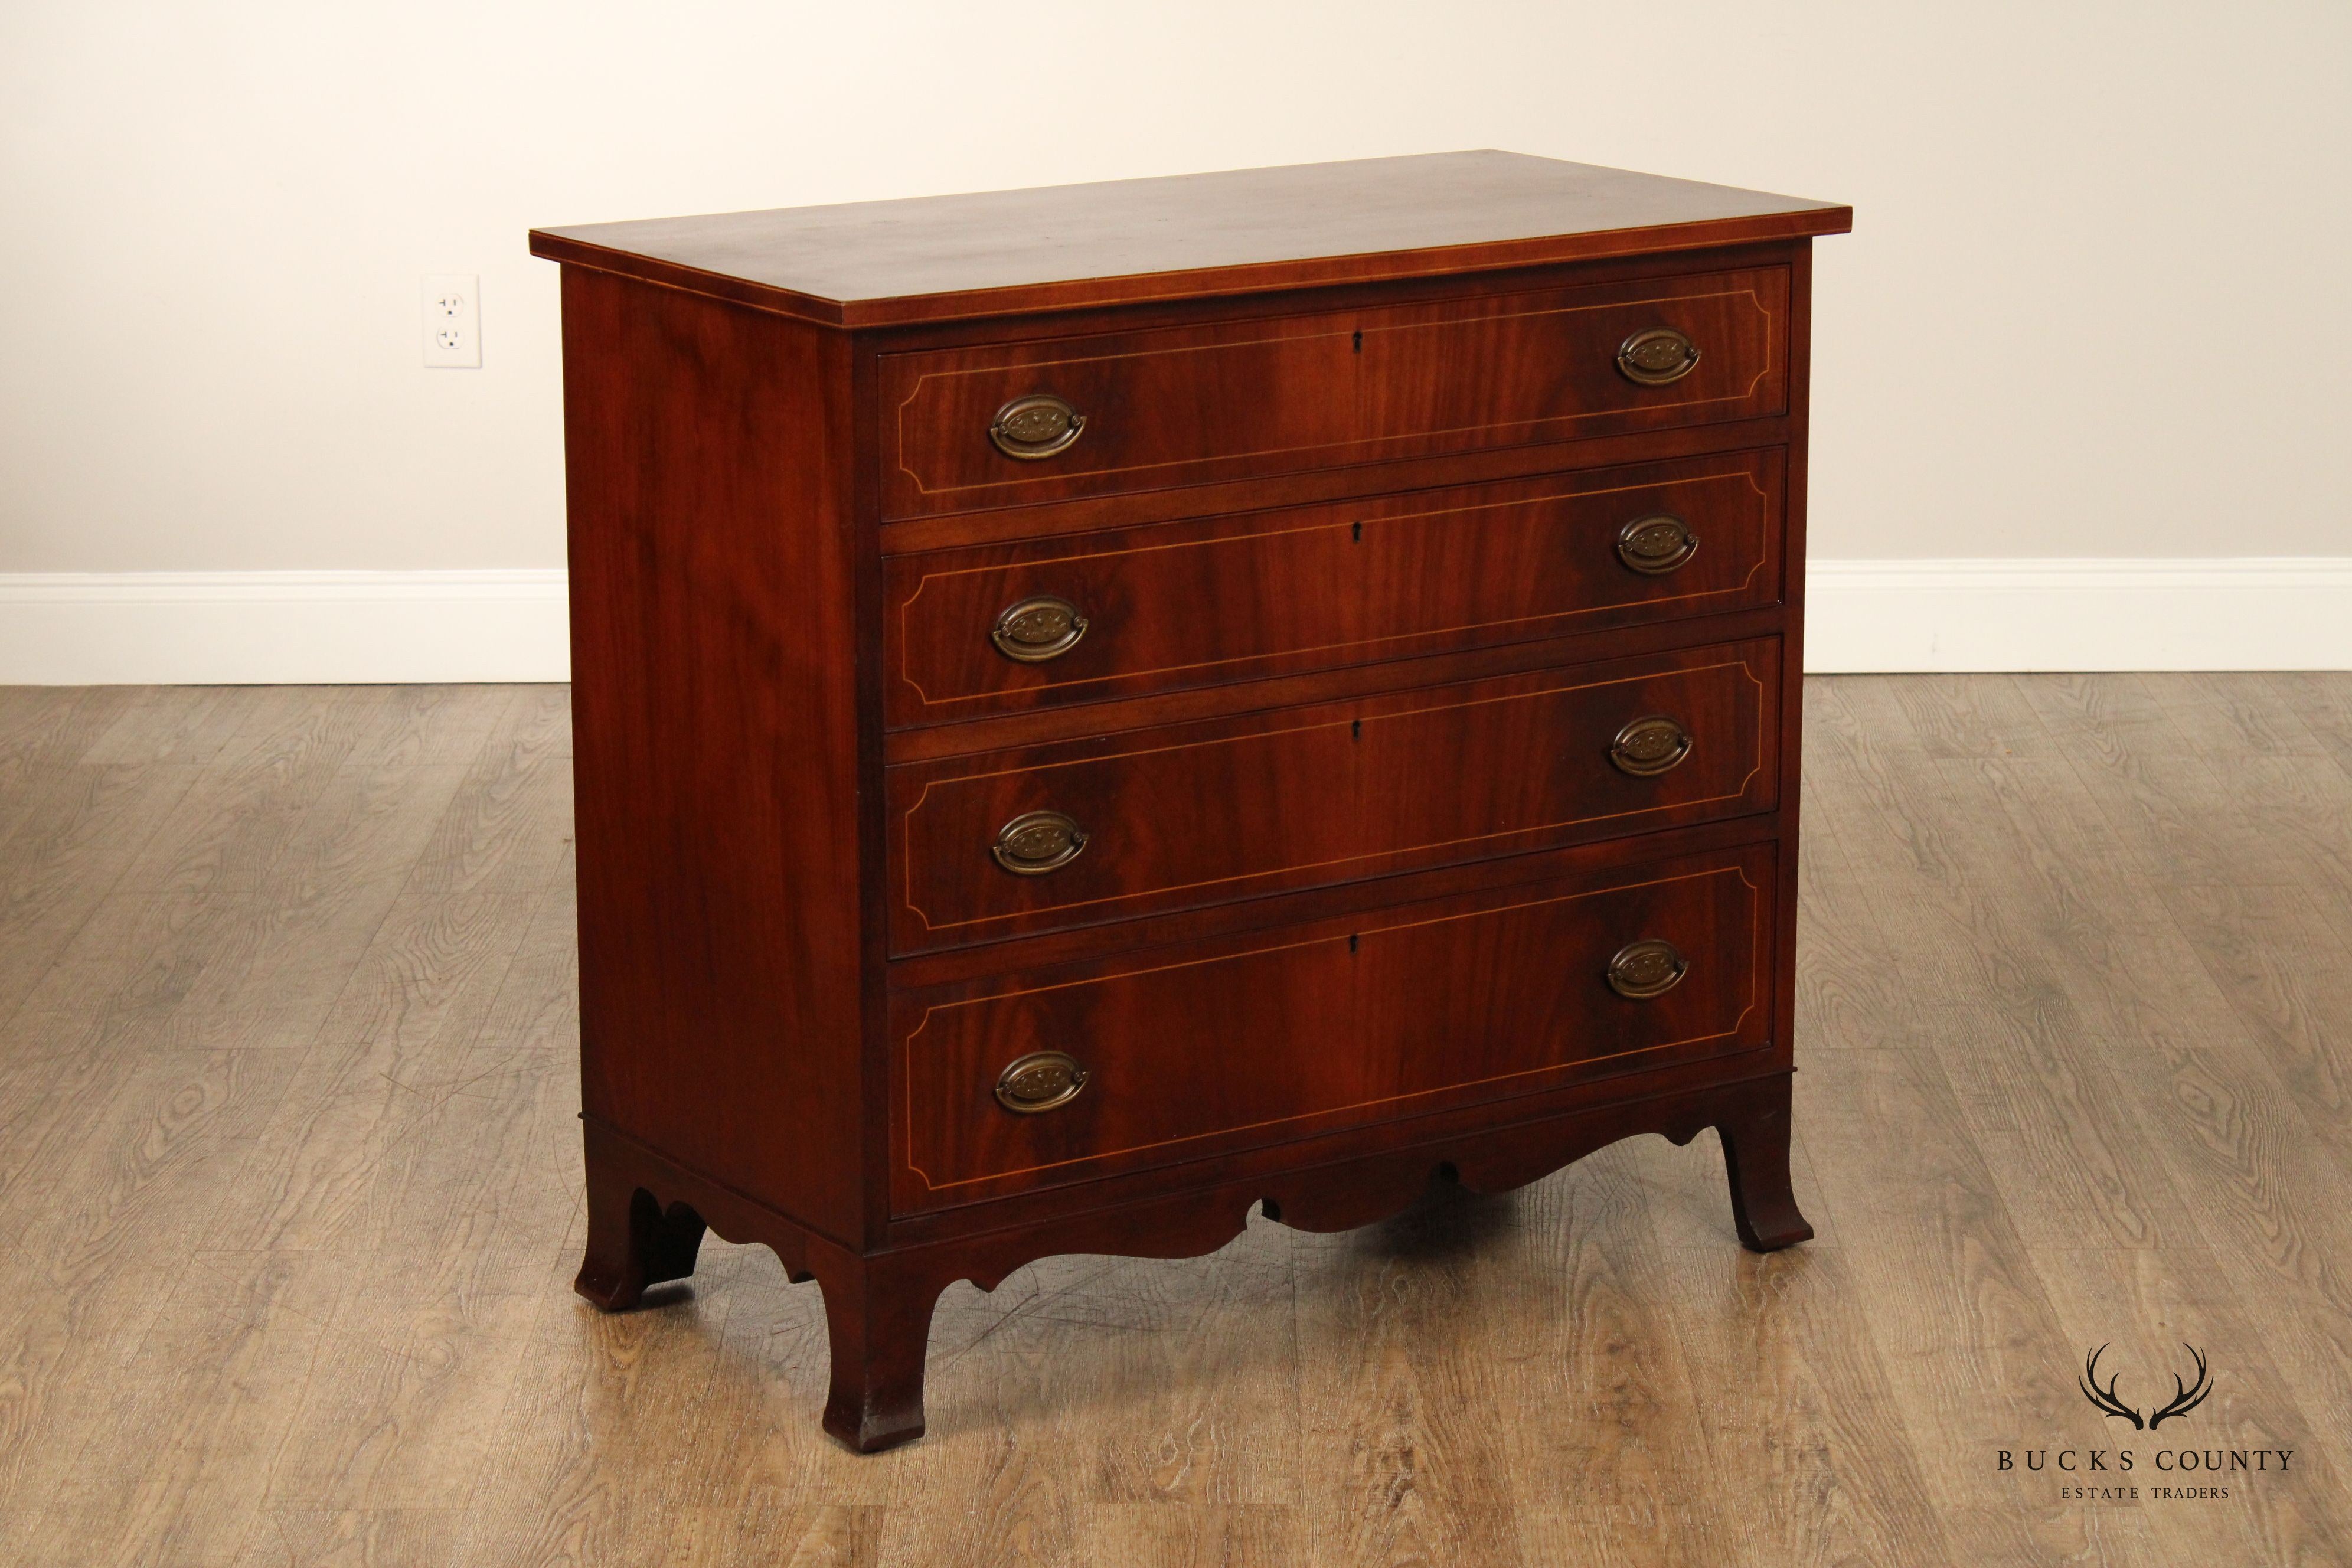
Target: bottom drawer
x=1015 y=1082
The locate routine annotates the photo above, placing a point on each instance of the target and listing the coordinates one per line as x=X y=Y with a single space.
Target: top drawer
x=1017 y=424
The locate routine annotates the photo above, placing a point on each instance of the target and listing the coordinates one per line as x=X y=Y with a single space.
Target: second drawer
x=1043 y=622
x=1081 y=832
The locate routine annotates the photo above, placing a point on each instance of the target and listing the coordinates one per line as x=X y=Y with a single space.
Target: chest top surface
x=1125 y=241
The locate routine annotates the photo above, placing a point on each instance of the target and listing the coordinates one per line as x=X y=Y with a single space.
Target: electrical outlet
x=453 y=321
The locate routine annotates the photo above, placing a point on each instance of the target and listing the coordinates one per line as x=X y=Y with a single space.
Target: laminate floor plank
x=43 y=730
x=1402 y=1457
x=538 y=1003
x=390 y=1048
x=1950 y=717
x=1193 y=1379
x=2101 y=715
x=1217 y=1535
x=453 y=1227
x=287 y=731
x=329 y=891
x=1062 y=1351
x=413 y=725
x=290 y=1202
x=2055 y=863
x=2283 y=965
x=592 y=1433
x=2069 y=1160
x=1960 y=1318
x=2323 y=700
x=1806 y=1436
x=1598 y=1392
x=2148 y=1307
x=2273 y=947
x=1908 y=829
x=231 y=890
x=401 y=1408
x=179 y=1461
x=2304 y=807
x=67 y=855
x=179 y=725
x=108 y=1244
x=751 y=1442
x=510 y=822
x=351 y=1538
x=2226 y=717
x=2270 y=1204
x=2173 y=808
x=1850 y=992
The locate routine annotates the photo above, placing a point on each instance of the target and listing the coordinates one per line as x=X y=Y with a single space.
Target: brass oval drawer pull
x=1035 y=427
x=1644 y=969
x=1656 y=544
x=1656 y=356
x=1041 y=1080
x=1038 y=628
x=1036 y=842
x=1650 y=746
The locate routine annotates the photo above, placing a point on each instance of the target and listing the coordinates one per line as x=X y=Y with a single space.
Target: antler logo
x=2185 y=1397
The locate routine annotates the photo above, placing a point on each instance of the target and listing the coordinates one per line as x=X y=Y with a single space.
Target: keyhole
x=1355 y=533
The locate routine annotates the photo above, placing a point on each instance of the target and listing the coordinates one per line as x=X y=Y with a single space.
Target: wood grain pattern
x=1581 y=1367
x=1184 y=604
x=715 y=740
x=1206 y=814
x=1193 y=405
x=1393 y=1012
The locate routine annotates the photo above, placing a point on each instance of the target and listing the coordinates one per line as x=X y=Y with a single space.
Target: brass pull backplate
x=1036 y=842
x=1035 y=427
x=1641 y=970
x=1650 y=746
x=1041 y=1080
x=1656 y=356
x=1038 y=628
x=1656 y=544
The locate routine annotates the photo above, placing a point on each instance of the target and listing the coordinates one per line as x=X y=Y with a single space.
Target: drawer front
x=1078 y=833
x=992 y=630
x=1015 y=423
x=1181 y=1053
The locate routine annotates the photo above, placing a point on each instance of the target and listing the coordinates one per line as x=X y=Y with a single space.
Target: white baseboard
x=237 y=629
x=266 y=628
x=2248 y=613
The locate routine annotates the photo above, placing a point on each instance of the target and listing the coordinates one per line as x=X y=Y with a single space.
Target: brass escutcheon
x=1650 y=745
x=1647 y=968
x=1037 y=426
x=1656 y=544
x=1036 y=842
x=1040 y=1081
x=1656 y=356
x=1038 y=628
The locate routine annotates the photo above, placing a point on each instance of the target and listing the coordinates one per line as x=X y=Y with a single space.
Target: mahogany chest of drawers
x=1097 y=709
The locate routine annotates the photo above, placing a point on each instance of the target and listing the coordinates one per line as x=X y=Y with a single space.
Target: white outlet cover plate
x=451 y=311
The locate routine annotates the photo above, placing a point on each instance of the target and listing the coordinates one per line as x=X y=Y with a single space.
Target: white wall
x=2094 y=307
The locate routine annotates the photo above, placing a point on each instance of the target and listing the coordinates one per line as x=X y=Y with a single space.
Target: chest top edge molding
x=941 y=258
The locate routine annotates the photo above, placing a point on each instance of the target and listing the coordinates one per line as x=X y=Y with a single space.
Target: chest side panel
x=713 y=560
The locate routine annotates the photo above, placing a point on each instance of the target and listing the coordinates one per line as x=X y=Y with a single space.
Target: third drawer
x=1077 y=833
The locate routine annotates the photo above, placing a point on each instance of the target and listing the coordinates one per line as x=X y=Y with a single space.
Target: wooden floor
x=289 y=1200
